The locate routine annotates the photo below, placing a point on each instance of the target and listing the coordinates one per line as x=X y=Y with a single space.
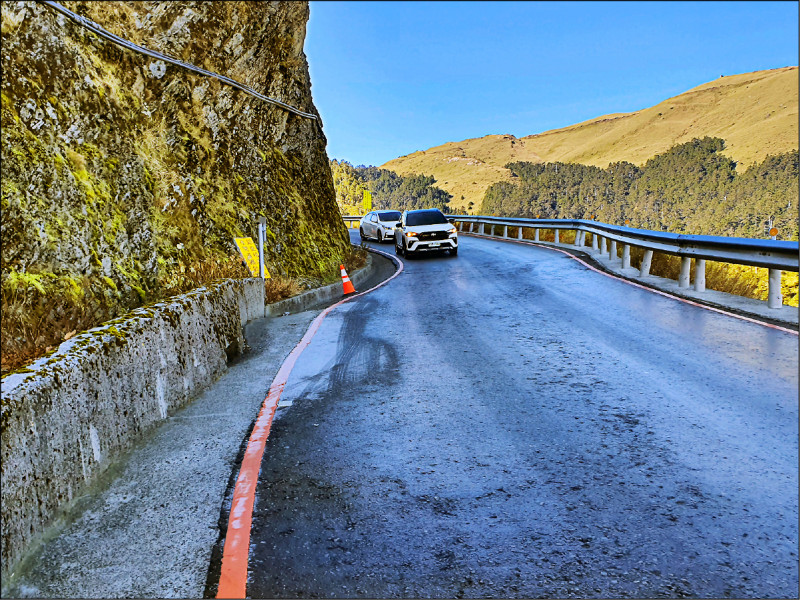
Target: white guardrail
x=775 y=255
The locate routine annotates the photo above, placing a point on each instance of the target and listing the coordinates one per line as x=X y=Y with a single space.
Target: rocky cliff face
x=123 y=175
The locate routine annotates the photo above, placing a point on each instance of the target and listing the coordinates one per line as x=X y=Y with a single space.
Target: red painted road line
x=236 y=550
x=644 y=287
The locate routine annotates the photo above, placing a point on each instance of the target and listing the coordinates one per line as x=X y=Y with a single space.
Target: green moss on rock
x=114 y=176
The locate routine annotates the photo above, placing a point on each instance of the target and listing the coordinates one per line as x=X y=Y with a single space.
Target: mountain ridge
x=756 y=114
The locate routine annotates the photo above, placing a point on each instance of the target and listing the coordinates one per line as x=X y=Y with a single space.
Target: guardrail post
x=594 y=243
x=519 y=232
x=603 y=245
x=470 y=226
x=699 y=275
x=577 y=237
x=505 y=231
x=686 y=267
x=644 y=270
x=612 y=251
x=556 y=232
x=535 y=234
x=775 y=297
x=480 y=228
x=491 y=231
x=626 y=256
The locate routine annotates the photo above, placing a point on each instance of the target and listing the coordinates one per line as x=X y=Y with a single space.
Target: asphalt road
x=508 y=423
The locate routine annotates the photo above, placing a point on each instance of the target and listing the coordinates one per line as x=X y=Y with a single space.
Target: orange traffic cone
x=346 y=284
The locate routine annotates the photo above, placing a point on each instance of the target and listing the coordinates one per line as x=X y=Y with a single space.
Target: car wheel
x=380 y=237
x=361 y=233
x=398 y=250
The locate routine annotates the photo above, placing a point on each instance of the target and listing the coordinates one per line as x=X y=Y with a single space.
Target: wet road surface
x=507 y=423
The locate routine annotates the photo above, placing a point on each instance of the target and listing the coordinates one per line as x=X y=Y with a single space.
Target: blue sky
x=390 y=78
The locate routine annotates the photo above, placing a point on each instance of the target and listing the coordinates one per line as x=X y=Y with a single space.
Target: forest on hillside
x=691 y=188
x=389 y=190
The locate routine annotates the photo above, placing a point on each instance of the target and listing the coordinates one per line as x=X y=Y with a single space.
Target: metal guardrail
x=775 y=255
x=770 y=254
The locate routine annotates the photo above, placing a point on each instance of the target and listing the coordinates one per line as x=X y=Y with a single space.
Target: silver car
x=379 y=225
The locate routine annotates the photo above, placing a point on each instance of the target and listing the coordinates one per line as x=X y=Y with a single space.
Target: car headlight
x=452 y=231
x=411 y=234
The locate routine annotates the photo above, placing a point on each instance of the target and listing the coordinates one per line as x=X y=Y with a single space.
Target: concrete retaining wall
x=69 y=415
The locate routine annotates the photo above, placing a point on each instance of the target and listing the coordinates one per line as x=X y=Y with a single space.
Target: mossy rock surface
x=121 y=173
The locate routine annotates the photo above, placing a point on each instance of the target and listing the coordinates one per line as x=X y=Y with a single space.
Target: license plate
x=434 y=244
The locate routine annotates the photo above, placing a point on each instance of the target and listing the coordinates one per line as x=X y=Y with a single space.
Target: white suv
x=425 y=231
x=378 y=224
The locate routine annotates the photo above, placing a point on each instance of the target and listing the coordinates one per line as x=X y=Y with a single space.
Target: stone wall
x=69 y=415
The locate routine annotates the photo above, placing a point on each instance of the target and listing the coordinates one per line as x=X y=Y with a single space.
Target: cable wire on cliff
x=95 y=28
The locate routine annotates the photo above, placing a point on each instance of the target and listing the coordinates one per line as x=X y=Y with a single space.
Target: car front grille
x=433 y=235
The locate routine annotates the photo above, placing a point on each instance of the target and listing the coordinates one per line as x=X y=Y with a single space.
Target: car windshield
x=432 y=217
x=389 y=216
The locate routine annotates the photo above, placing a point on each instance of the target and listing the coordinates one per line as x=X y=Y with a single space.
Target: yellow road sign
x=367 y=203
x=250 y=254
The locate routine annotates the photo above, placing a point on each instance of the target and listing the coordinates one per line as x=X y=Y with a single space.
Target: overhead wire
x=97 y=29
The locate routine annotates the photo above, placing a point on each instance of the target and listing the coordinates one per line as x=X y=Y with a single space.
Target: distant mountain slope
x=755 y=113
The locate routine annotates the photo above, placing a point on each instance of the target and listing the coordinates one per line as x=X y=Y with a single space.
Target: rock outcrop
x=122 y=174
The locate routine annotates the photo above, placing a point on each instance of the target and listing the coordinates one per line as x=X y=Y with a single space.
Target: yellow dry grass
x=755 y=113
x=279 y=288
x=152 y=147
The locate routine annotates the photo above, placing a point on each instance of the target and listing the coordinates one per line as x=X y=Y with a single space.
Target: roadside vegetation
x=692 y=189
x=389 y=190
x=60 y=316
x=280 y=287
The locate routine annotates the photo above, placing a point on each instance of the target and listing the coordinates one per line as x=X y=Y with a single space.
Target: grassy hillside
x=755 y=113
